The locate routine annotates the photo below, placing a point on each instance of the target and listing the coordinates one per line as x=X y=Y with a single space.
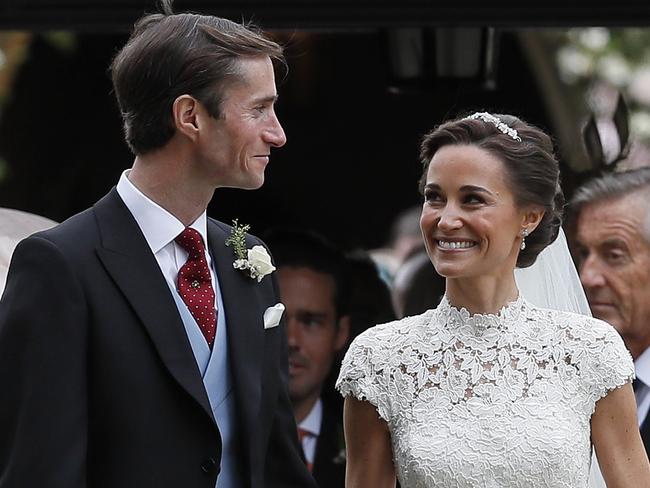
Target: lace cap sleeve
x=365 y=369
x=609 y=363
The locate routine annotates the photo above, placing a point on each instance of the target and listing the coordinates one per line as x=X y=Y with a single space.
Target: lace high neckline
x=478 y=323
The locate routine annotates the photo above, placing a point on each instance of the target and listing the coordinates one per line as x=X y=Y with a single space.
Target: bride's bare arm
x=615 y=434
x=369 y=454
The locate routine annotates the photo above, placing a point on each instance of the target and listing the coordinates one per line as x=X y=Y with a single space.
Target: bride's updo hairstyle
x=529 y=159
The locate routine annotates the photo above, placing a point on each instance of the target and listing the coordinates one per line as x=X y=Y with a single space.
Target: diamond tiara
x=488 y=117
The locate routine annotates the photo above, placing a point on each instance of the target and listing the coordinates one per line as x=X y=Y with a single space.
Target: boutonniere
x=255 y=262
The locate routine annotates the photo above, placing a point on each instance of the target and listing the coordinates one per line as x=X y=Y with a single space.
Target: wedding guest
x=406 y=237
x=370 y=300
x=488 y=389
x=141 y=343
x=416 y=286
x=405 y=240
x=612 y=241
x=314 y=290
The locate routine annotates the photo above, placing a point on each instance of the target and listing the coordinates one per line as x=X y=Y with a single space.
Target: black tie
x=636 y=384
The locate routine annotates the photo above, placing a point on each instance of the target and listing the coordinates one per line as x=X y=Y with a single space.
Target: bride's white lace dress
x=488 y=400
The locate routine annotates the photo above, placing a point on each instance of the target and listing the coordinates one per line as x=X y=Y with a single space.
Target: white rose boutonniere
x=256 y=261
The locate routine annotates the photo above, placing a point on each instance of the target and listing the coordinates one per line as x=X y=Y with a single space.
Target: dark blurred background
x=366 y=80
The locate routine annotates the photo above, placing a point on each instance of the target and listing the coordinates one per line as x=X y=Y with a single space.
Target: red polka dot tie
x=195 y=285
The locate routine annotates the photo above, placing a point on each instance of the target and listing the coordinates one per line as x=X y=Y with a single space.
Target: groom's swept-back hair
x=169 y=55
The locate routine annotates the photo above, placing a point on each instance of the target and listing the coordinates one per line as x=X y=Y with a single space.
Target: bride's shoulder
x=575 y=325
x=392 y=333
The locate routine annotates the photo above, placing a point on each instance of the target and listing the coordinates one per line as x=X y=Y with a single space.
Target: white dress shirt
x=311 y=424
x=642 y=393
x=160 y=228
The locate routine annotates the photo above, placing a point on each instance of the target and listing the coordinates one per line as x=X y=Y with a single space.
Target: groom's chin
x=254 y=177
x=251 y=182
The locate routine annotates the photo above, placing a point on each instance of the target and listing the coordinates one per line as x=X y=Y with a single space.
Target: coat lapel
x=242 y=302
x=129 y=260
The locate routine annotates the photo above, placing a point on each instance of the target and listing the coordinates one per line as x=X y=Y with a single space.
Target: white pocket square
x=272 y=316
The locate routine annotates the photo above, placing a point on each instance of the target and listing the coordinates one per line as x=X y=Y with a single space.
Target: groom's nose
x=274 y=133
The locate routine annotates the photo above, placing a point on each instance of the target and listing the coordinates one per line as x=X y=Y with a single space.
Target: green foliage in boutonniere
x=237 y=239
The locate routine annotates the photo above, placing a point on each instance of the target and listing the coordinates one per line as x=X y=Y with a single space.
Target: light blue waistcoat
x=214 y=367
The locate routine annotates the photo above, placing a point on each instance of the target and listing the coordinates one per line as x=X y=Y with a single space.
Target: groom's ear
x=185 y=114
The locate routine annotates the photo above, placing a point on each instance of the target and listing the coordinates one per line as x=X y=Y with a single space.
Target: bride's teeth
x=455 y=245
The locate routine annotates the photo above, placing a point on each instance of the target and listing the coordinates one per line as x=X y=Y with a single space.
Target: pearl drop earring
x=524 y=234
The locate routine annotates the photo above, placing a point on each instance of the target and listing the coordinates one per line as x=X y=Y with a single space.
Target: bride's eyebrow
x=474 y=188
x=464 y=189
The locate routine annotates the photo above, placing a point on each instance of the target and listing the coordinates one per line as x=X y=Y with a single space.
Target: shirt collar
x=642 y=367
x=312 y=422
x=158 y=225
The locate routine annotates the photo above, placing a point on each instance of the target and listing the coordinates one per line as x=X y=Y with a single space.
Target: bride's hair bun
x=529 y=159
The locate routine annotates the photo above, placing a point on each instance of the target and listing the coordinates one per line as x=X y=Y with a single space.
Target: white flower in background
x=602 y=64
x=640 y=124
x=639 y=88
x=573 y=63
x=601 y=98
x=594 y=38
x=615 y=69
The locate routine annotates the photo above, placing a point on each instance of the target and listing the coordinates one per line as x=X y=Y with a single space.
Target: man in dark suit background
x=612 y=242
x=140 y=341
x=314 y=290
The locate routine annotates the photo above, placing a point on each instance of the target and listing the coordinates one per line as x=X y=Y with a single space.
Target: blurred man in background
x=314 y=290
x=612 y=239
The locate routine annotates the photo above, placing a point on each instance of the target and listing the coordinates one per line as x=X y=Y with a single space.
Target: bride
x=489 y=390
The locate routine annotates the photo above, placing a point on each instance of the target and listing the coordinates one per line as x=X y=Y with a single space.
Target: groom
x=132 y=353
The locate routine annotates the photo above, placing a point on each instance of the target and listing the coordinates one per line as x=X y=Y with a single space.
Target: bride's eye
x=432 y=196
x=472 y=198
